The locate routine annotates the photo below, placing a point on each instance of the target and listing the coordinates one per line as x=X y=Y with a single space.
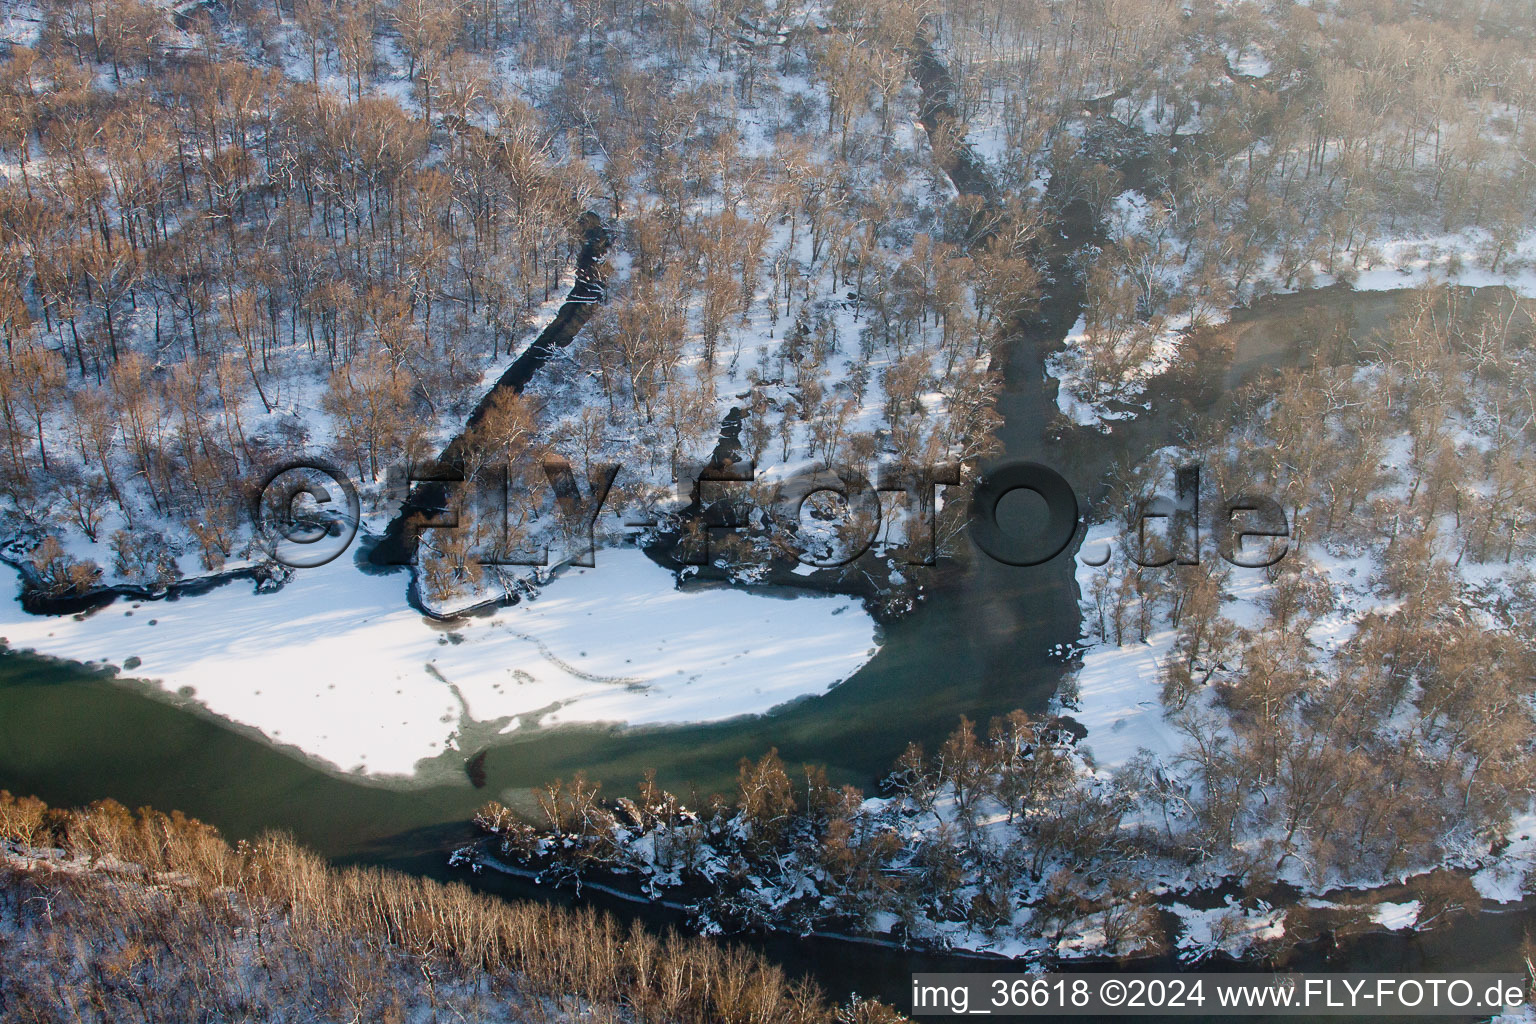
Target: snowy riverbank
x=337 y=665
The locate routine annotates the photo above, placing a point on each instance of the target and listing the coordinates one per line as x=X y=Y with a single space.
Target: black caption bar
x=1020 y=995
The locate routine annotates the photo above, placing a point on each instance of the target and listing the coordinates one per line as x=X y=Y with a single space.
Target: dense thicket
x=970 y=835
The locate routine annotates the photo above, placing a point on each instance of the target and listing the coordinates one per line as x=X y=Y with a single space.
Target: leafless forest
x=232 y=232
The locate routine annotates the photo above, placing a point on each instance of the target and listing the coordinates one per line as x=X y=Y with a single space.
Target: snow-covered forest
x=236 y=235
x=233 y=233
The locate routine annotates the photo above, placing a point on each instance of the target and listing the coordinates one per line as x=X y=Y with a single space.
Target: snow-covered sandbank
x=337 y=665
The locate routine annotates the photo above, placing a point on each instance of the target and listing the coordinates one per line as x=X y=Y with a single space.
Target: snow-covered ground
x=1230 y=929
x=1504 y=880
x=1118 y=689
x=1116 y=693
x=1462 y=258
x=1095 y=404
x=338 y=666
x=1119 y=692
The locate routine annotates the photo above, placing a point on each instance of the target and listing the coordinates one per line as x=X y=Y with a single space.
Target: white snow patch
x=1504 y=880
x=337 y=665
x=1396 y=916
x=1119 y=688
x=1231 y=929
